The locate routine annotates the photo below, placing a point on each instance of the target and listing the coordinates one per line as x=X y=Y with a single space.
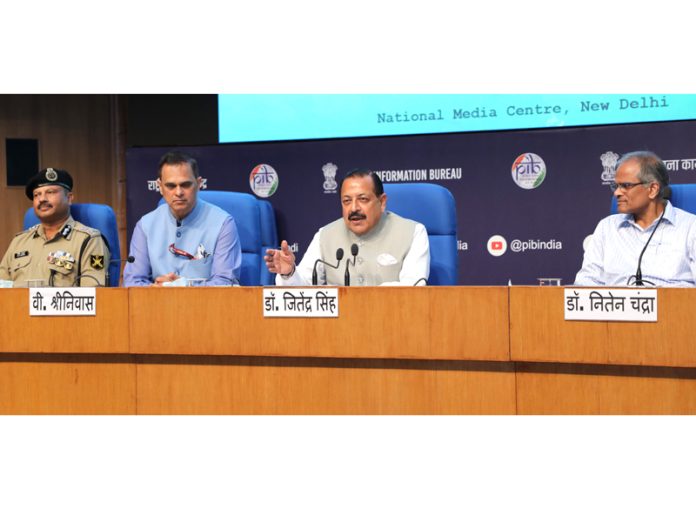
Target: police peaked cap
x=48 y=177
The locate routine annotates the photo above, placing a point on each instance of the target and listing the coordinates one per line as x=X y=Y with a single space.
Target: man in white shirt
x=391 y=250
x=646 y=223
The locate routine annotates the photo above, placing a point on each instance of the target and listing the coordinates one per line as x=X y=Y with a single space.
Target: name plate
x=300 y=302
x=613 y=304
x=62 y=301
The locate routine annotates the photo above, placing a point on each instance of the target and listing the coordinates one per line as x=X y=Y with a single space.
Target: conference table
x=396 y=350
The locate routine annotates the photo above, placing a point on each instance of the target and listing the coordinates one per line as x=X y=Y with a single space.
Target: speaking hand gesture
x=280 y=261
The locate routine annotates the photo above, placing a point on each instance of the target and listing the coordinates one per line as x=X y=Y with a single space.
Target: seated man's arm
x=416 y=264
x=138 y=273
x=691 y=252
x=592 y=271
x=226 y=266
x=5 y=265
x=94 y=264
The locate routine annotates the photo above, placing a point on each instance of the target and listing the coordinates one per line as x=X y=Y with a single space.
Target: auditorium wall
x=81 y=133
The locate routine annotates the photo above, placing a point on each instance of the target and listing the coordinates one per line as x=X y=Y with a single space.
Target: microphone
x=639 y=274
x=339 y=257
x=78 y=279
x=354 y=252
x=128 y=259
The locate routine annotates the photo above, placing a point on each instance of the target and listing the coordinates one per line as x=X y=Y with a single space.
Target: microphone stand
x=346 y=276
x=128 y=259
x=78 y=280
x=639 y=273
x=315 y=275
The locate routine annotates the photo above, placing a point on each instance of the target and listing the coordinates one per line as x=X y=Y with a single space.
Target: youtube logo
x=497 y=245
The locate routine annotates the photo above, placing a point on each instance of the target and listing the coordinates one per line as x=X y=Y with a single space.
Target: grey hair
x=652 y=169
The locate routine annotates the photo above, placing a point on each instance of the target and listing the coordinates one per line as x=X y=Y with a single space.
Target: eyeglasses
x=625 y=186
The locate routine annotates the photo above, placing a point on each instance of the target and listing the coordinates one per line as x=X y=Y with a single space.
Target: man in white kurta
x=391 y=250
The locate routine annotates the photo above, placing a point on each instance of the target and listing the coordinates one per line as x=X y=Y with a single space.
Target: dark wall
x=173 y=119
x=544 y=225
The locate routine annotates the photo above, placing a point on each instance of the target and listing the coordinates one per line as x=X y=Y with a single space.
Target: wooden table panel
x=470 y=323
x=418 y=323
x=46 y=386
x=289 y=386
x=107 y=332
x=436 y=350
x=671 y=341
x=538 y=332
x=595 y=393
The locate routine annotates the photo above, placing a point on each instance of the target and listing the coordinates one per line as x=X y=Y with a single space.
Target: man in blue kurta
x=185 y=239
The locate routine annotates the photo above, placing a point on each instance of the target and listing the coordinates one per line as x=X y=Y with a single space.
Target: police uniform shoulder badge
x=30 y=229
x=96 y=261
x=92 y=232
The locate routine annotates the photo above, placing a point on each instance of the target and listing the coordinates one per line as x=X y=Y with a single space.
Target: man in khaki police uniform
x=59 y=250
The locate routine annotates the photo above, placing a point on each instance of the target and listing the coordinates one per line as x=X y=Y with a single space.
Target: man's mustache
x=356 y=215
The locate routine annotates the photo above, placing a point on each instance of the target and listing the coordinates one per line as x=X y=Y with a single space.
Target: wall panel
x=80 y=133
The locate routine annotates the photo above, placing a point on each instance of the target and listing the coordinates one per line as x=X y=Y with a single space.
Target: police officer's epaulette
x=92 y=232
x=28 y=230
